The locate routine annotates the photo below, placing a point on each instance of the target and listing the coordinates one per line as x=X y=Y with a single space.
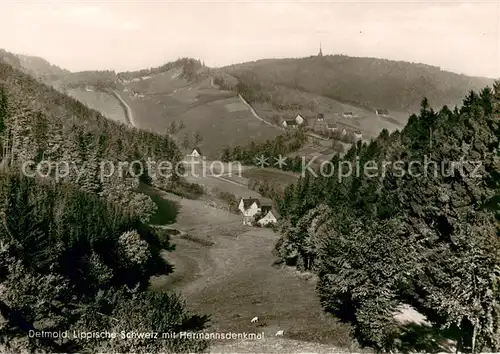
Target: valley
x=222 y=268
x=234 y=279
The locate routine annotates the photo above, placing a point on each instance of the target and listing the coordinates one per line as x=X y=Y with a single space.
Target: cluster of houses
x=137 y=94
x=293 y=123
x=256 y=210
x=321 y=125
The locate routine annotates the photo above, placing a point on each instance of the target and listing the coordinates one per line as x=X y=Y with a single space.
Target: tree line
x=282 y=145
x=431 y=242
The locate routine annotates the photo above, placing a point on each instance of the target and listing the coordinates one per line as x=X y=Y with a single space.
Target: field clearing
x=103 y=102
x=271 y=175
x=212 y=185
x=235 y=107
x=221 y=128
x=219 y=116
x=235 y=280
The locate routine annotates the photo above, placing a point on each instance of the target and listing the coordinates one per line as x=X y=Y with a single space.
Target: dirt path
x=256 y=115
x=128 y=111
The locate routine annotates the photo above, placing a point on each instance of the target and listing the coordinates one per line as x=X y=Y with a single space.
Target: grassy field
x=103 y=102
x=271 y=175
x=232 y=183
x=235 y=279
x=219 y=116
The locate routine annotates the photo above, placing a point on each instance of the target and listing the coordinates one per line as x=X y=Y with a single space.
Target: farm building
x=251 y=207
x=299 y=119
x=382 y=112
x=348 y=115
x=196 y=152
x=331 y=127
x=289 y=123
x=321 y=117
x=320 y=126
x=357 y=135
x=271 y=217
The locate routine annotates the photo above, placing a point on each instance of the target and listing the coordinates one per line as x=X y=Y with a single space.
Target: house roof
x=275 y=213
x=290 y=122
x=247 y=202
x=197 y=150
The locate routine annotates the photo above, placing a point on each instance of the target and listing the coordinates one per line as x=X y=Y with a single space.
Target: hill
x=41 y=68
x=367 y=82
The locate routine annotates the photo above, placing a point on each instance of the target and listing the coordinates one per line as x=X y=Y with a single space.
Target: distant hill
x=10 y=58
x=366 y=82
x=39 y=67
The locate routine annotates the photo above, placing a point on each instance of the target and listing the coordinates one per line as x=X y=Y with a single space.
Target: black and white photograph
x=268 y=176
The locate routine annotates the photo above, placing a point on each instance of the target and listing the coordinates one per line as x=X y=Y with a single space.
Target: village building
x=196 y=153
x=271 y=217
x=321 y=117
x=331 y=127
x=299 y=119
x=251 y=207
x=290 y=123
x=357 y=135
x=348 y=115
x=382 y=112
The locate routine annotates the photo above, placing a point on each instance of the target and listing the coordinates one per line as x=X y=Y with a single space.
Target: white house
x=348 y=115
x=289 y=123
x=270 y=218
x=250 y=207
x=299 y=119
x=196 y=153
x=357 y=135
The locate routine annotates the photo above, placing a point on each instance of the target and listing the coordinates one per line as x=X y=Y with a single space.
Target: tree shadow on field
x=167 y=209
x=423 y=338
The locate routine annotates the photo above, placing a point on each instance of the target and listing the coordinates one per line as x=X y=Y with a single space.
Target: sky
x=130 y=35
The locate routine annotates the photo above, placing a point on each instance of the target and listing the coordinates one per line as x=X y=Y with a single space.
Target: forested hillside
x=429 y=239
x=76 y=251
x=71 y=262
x=41 y=124
x=367 y=82
x=191 y=69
